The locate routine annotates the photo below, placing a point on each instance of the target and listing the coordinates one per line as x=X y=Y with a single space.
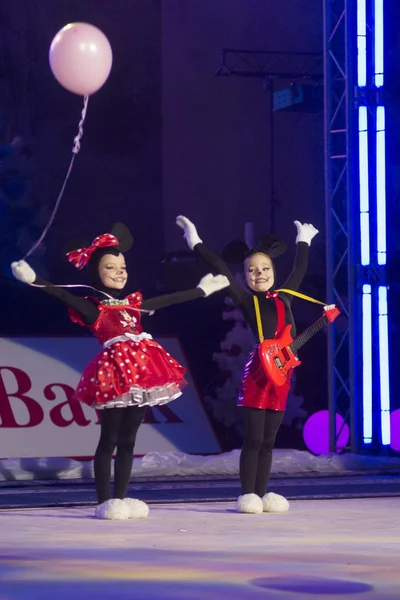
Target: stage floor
x=320 y=549
x=36 y=494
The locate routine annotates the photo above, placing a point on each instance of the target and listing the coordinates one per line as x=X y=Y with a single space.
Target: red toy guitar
x=278 y=356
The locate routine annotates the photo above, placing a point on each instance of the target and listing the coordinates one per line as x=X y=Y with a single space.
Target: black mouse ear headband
x=79 y=252
x=237 y=251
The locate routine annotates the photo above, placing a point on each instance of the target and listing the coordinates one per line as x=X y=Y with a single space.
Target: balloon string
x=75 y=150
x=76 y=285
x=77 y=139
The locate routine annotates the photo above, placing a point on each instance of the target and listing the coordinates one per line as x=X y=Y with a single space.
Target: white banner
x=37 y=378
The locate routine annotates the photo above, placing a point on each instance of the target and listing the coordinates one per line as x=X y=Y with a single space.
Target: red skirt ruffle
x=257 y=391
x=131 y=373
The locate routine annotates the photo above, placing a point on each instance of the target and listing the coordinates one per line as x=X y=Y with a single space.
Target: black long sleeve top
x=88 y=310
x=244 y=298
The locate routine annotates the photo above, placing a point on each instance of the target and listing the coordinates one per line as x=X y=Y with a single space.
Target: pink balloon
x=80 y=58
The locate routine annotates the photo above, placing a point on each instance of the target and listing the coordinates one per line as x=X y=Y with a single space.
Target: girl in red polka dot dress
x=132 y=371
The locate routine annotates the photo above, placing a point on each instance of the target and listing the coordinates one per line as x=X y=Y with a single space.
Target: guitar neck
x=306 y=335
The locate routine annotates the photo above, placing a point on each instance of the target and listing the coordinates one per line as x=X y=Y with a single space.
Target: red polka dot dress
x=132 y=368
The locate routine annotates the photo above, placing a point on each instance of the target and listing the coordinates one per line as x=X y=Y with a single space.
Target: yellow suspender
x=303 y=296
x=257 y=308
x=258 y=319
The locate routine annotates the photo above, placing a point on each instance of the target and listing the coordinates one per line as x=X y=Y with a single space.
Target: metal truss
x=341 y=221
x=274 y=65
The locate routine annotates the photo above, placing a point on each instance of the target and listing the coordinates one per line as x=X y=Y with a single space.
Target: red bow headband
x=80 y=257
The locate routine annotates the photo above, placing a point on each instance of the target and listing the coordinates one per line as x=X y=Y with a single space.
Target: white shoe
x=137 y=508
x=114 y=510
x=275 y=503
x=249 y=503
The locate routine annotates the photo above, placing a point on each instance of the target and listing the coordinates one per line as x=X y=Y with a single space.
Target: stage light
x=364 y=184
x=384 y=365
x=379 y=41
x=367 y=362
x=361 y=43
x=380 y=185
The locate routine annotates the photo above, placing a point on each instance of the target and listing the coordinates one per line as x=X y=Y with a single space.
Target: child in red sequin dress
x=132 y=371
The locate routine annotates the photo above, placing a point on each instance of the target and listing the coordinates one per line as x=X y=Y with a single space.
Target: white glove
x=190 y=231
x=213 y=283
x=305 y=232
x=23 y=272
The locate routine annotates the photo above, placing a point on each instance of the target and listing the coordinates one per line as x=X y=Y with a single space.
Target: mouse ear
x=235 y=252
x=123 y=235
x=271 y=245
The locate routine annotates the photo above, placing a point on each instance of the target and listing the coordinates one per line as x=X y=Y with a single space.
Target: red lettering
x=23 y=382
x=56 y=416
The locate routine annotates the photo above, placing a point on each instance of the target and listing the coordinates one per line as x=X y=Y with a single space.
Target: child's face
x=259 y=272
x=112 y=271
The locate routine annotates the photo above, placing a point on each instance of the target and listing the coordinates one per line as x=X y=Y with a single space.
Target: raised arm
x=236 y=292
x=207 y=285
x=87 y=309
x=305 y=233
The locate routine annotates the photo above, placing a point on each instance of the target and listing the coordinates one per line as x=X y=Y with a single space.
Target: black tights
x=119 y=427
x=260 y=429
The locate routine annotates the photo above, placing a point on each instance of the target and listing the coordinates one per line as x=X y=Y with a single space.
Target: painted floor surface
x=329 y=549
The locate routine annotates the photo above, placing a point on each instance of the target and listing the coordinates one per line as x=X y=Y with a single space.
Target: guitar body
x=277 y=357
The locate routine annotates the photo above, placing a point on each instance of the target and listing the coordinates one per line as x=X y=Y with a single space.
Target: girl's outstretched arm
x=207 y=285
x=235 y=290
x=305 y=233
x=86 y=308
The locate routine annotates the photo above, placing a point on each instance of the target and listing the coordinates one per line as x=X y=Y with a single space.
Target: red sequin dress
x=132 y=369
x=256 y=390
